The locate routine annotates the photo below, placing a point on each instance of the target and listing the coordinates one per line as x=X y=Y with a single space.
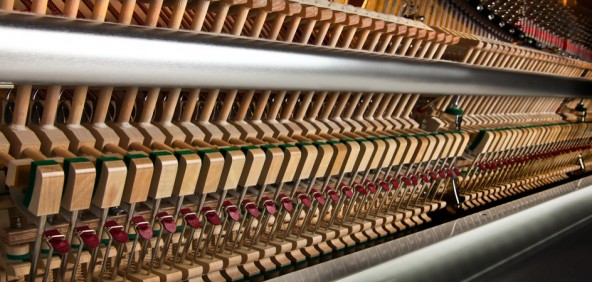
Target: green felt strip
x=267 y=146
x=129 y=157
x=302 y=144
x=203 y=152
x=227 y=150
x=284 y=146
x=180 y=153
x=157 y=154
x=19 y=257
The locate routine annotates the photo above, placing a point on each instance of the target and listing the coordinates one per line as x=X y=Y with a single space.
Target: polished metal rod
x=47 y=50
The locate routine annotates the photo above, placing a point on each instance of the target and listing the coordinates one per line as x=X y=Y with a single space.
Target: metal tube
x=48 y=263
x=223 y=62
x=70 y=234
x=37 y=247
x=93 y=260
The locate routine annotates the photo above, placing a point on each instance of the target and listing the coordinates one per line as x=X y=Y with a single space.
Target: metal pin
x=246 y=232
x=471 y=173
x=144 y=230
x=295 y=188
x=352 y=202
x=278 y=191
x=232 y=216
x=69 y=236
x=57 y=242
x=93 y=260
x=213 y=220
x=362 y=202
x=335 y=199
x=260 y=191
x=317 y=199
x=326 y=181
x=295 y=217
x=50 y=254
x=130 y=259
x=189 y=219
x=128 y=221
x=37 y=247
x=307 y=219
x=164 y=220
x=405 y=184
x=269 y=209
x=112 y=228
x=80 y=232
x=310 y=184
x=411 y=182
x=169 y=239
x=415 y=186
x=142 y=257
x=354 y=176
x=227 y=236
x=187 y=245
x=345 y=193
x=384 y=187
x=440 y=177
x=427 y=182
x=250 y=211
x=394 y=189
x=285 y=205
x=321 y=217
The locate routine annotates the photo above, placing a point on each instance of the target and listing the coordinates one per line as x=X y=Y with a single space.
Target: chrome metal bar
x=78 y=52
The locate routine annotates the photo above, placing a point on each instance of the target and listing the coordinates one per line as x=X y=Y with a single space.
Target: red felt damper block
x=116 y=231
x=211 y=216
x=231 y=210
x=167 y=222
x=142 y=227
x=88 y=236
x=190 y=218
x=251 y=208
x=57 y=241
